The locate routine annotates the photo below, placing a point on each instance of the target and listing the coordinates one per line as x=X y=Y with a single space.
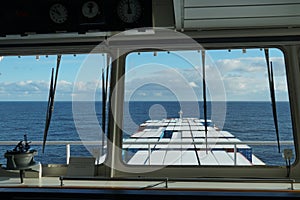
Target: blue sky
x=166 y=76
x=230 y=76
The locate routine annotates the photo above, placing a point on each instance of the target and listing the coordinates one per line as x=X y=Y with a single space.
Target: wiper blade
x=272 y=93
x=204 y=99
x=49 y=111
x=50 y=106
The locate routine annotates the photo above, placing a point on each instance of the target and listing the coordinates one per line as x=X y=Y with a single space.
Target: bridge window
x=77 y=114
x=165 y=102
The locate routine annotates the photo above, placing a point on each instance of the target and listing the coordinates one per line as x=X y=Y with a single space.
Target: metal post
x=235 y=150
x=115 y=120
x=167 y=183
x=68 y=152
x=292 y=184
x=22 y=175
x=149 y=153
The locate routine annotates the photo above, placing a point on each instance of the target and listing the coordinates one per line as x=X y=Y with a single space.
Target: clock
x=90 y=9
x=129 y=11
x=58 y=13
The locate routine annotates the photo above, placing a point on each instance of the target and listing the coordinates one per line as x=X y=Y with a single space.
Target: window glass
x=24 y=92
x=164 y=120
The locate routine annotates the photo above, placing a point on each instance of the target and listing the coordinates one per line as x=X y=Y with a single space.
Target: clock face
x=90 y=9
x=58 y=13
x=129 y=11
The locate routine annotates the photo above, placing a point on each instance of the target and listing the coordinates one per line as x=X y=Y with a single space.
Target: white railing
x=69 y=143
x=235 y=145
x=53 y=143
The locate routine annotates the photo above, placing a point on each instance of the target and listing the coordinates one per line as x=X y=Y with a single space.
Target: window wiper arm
x=272 y=93
x=50 y=106
x=204 y=99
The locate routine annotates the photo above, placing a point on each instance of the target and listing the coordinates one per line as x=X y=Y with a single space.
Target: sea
x=248 y=121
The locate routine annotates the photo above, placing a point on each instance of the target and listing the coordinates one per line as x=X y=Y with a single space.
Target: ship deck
x=183 y=141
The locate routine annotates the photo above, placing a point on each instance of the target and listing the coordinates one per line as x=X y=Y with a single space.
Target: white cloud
x=246 y=78
x=250 y=65
x=39 y=90
x=243 y=79
x=193 y=84
x=24 y=90
x=281 y=86
x=144 y=94
x=162 y=84
x=244 y=85
x=66 y=83
x=82 y=86
x=241 y=65
x=158 y=94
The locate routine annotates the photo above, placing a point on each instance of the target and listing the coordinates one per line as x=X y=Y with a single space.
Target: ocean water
x=248 y=121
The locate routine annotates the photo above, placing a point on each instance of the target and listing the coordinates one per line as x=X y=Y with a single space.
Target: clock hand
x=56 y=11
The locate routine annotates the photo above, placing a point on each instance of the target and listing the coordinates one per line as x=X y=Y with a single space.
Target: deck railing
x=151 y=143
x=234 y=143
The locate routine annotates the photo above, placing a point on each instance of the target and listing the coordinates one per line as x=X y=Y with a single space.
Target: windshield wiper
x=272 y=93
x=50 y=106
x=204 y=99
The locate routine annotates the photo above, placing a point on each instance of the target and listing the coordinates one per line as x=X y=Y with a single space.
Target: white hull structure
x=182 y=141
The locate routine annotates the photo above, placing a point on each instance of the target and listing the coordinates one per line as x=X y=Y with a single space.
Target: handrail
x=65 y=142
x=287 y=142
x=166 y=180
x=78 y=142
x=235 y=143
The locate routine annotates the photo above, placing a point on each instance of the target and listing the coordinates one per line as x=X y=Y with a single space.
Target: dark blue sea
x=248 y=121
